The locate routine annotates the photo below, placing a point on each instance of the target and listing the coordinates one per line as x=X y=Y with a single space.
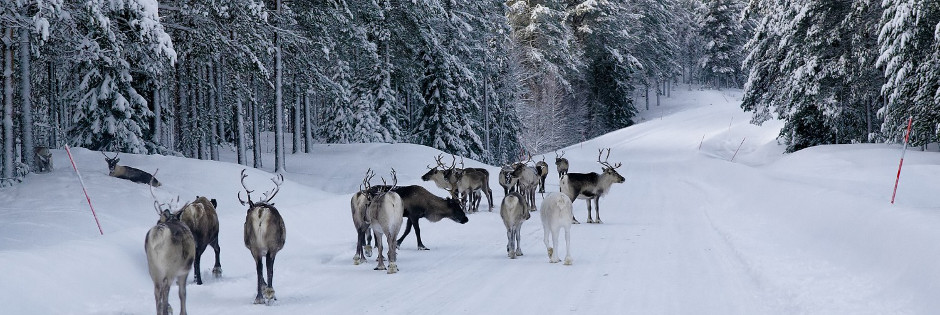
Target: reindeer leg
x=392 y=255
x=418 y=235
x=359 y=257
x=510 y=251
x=157 y=296
x=568 y=260
x=555 y=232
x=590 y=220
x=269 y=290
x=368 y=248
x=518 y=242
x=181 y=282
x=597 y=209
x=197 y=274
x=545 y=232
x=217 y=269
x=261 y=284
x=407 y=230
x=378 y=246
x=489 y=198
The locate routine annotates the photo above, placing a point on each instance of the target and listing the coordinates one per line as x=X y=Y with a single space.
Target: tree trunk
x=308 y=125
x=240 y=122
x=296 y=135
x=658 y=91
x=7 y=172
x=157 y=115
x=646 y=87
x=26 y=94
x=255 y=129
x=279 y=162
x=225 y=111
x=197 y=118
x=213 y=113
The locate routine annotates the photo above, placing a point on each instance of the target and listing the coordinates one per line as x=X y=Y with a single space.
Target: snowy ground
x=690 y=232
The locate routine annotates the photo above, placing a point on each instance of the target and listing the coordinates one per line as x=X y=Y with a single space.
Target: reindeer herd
x=175 y=244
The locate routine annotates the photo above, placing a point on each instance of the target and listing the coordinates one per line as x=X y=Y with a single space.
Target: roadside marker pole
x=897 y=179
x=700 y=142
x=83 y=188
x=739 y=148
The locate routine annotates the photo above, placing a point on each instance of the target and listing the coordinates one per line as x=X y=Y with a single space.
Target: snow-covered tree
x=724 y=40
x=125 y=39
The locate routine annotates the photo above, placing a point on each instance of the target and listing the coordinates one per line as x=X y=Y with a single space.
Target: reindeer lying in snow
x=127 y=172
x=265 y=235
x=591 y=186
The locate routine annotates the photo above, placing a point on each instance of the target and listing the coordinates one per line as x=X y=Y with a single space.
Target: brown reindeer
x=170 y=252
x=201 y=218
x=127 y=172
x=561 y=163
x=541 y=169
x=265 y=235
x=591 y=186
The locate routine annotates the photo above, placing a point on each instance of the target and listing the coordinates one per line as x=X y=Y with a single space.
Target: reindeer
x=527 y=181
x=384 y=213
x=541 y=169
x=461 y=183
x=514 y=213
x=468 y=181
x=556 y=209
x=561 y=163
x=358 y=205
x=127 y=172
x=43 y=159
x=421 y=203
x=591 y=186
x=506 y=180
x=170 y=252
x=265 y=235
x=201 y=218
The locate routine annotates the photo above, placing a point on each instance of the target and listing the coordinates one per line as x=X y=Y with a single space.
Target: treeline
x=846 y=71
x=489 y=80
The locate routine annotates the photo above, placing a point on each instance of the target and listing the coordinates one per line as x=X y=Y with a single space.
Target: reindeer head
x=278 y=180
x=610 y=170
x=560 y=158
x=165 y=210
x=441 y=173
x=112 y=161
x=456 y=210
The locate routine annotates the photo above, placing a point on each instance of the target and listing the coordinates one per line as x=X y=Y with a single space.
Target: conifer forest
x=488 y=80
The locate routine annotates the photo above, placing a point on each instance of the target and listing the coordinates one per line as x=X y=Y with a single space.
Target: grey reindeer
x=514 y=213
x=384 y=213
x=265 y=235
x=170 y=252
x=591 y=186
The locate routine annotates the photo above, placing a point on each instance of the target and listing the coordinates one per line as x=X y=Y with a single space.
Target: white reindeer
x=555 y=212
x=170 y=252
x=514 y=213
x=384 y=212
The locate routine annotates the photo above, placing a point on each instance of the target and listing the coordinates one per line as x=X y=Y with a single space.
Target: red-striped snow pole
x=83 y=188
x=907 y=134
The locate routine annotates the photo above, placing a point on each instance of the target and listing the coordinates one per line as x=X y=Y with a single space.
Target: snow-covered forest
x=489 y=80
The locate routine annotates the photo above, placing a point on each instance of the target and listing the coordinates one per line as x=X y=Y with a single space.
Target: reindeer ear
x=214 y=203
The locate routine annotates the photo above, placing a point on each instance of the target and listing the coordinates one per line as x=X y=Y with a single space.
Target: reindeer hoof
x=217 y=272
x=259 y=300
x=392 y=268
x=380 y=267
x=423 y=248
x=368 y=250
x=269 y=294
x=356 y=261
x=568 y=261
x=575 y=222
x=599 y=221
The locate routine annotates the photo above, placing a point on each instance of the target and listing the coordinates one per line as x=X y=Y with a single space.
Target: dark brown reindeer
x=541 y=169
x=421 y=203
x=591 y=186
x=43 y=159
x=127 y=172
x=561 y=163
x=384 y=213
x=265 y=235
x=170 y=252
x=201 y=218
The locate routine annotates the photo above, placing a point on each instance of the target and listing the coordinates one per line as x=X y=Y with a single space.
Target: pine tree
x=724 y=36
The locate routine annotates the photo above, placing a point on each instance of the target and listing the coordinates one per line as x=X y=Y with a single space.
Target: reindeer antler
x=394 y=181
x=278 y=180
x=108 y=157
x=247 y=191
x=366 y=182
x=156 y=204
x=604 y=163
